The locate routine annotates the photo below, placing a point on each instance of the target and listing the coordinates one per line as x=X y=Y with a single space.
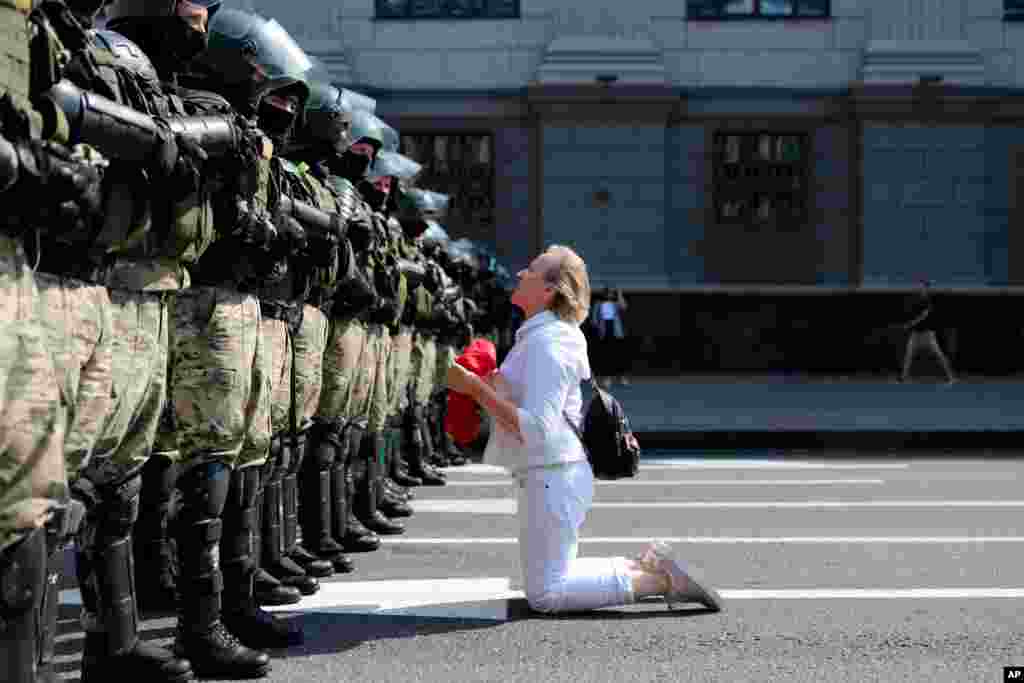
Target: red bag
x=462 y=419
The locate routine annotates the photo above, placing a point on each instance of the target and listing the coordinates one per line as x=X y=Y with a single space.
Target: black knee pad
x=111 y=508
x=22 y=567
x=204 y=490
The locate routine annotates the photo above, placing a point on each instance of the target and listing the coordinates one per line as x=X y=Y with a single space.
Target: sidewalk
x=800 y=411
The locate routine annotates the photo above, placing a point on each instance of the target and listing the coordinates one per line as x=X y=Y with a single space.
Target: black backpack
x=606 y=436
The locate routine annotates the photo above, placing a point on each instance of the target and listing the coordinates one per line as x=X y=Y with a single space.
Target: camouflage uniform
x=32 y=423
x=81 y=337
x=35 y=509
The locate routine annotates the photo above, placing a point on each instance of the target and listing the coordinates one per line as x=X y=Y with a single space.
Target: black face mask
x=349 y=165
x=185 y=42
x=374 y=197
x=276 y=123
x=413 y=228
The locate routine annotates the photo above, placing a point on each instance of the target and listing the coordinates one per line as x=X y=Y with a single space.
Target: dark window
x=462 y=166
x=447 y=9
x=761 y=179
x=1014 y=9
x=758 y=9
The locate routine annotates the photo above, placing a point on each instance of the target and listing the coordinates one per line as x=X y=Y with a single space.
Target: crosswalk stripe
x=687 y=482
x=508 y=506
x=716 y=464
x=723 y=540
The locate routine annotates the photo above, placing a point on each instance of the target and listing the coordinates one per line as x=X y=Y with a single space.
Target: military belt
x=289 y=312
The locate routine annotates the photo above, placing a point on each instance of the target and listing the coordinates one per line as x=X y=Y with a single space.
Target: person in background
x=922 y=334
x=606 y=317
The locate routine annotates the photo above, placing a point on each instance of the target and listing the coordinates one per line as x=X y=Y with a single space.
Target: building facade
x=695 y=145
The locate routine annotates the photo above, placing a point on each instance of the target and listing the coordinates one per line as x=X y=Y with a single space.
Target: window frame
x=756 y=15
x=1007 y=16
x=441 y=16
x=718 y=187
x=456 y=218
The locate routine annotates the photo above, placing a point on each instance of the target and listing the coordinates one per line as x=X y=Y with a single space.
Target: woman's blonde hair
x=571 y=283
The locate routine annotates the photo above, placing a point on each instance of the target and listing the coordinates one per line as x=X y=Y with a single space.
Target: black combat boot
x=348 y=530
x=254 y=627
x=106 y=577
x=396 y=457
x=387 y=502
x=23 y=577
x=273 y=560
x=153 y=548
x=456 y=457
x=419 y=440
x=293 y=547
x=320 y=501
x=267 y=589
x=201 y=635
x=367 y=463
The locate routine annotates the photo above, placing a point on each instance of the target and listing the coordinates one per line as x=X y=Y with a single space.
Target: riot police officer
x=36 y=514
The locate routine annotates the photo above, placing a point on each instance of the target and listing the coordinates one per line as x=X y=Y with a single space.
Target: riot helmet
x=391 y=141
x=400 y=169
x=435 y=234
x=354 y=100
x=367 y=140
x=250 y=56
x=416 y=206
x=328 y=119
x=171 y=32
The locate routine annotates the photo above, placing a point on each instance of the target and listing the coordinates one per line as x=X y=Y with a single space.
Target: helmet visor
x=276 y=52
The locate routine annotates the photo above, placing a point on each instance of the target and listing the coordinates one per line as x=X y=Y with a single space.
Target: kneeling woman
x=538 y=381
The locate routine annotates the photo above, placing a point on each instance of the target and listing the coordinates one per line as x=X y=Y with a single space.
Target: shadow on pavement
x=331 y=633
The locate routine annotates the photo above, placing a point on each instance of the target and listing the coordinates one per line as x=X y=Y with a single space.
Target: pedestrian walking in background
x=532 y=397
x=922 y=328
x=607 y=318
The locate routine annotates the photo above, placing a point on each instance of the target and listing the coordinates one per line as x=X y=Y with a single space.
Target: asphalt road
x=894 y=569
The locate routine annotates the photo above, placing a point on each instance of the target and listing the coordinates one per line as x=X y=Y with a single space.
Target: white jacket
x=542 y=375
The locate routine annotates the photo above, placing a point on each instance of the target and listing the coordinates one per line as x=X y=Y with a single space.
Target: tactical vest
x=317 y=268
x=142 y=224
x=355 y=293
x=232 y=261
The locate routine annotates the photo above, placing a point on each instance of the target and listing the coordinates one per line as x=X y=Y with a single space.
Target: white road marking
x=755 y=464
x=687 y=482
x=404 y=595
x=508 y=506
x=725 y=540
x=715 y=464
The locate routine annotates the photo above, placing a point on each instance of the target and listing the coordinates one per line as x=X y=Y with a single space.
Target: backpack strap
x=577 y=432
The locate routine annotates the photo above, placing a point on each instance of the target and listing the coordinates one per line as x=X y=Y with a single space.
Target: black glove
x=253 y=226
x=360 y=232
x=68 y=182
x=178 y=161
x=290 y=232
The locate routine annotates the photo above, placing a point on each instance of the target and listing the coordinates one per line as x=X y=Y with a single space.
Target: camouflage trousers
x=301 y=354
x=32 y=477
x=278 y=344
x=80 y=335
x=139 y=322
x=377 y=351
x=399 y=370
x=220 y=384
x=346 y=382
x=423 y=363
x=310 y=344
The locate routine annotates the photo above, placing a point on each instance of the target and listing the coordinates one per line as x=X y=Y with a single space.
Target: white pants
x=552 y=506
